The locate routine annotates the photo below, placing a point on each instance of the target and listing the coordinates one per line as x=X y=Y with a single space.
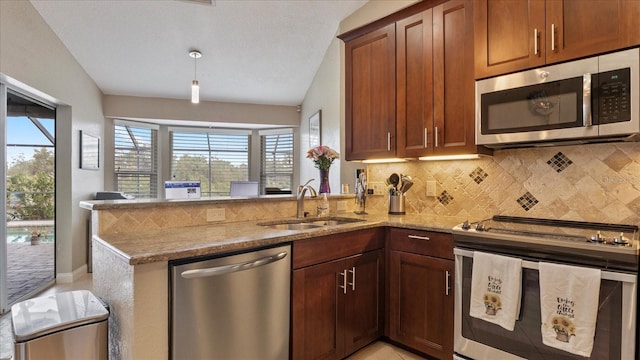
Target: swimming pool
x=23 y=235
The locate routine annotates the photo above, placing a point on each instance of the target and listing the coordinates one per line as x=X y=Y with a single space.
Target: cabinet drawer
x=326 y=248
x=422 y=242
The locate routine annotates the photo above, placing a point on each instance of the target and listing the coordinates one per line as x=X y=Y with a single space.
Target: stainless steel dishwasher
x=232 y=307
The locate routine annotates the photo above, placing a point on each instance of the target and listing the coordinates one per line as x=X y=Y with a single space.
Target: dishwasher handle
x=226 y=269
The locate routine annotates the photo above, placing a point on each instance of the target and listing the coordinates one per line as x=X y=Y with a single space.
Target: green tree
x=31 y=187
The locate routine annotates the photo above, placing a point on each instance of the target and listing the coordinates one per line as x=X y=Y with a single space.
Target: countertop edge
x=253 y=242
x=164 y=203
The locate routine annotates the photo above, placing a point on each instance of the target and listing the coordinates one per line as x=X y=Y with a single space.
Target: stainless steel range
x=613 y=248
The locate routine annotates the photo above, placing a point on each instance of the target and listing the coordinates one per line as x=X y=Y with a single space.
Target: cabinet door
x=421 y=303
x=453 y=92
x=363 y=302
x=370 y=95
x=316 y=310
x=414 y=68
x=509 y=35
x=582 y=28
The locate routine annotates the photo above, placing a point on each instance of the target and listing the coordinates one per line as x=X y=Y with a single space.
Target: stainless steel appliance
x=588 y=100
x=63 y=326
x=609 y=247
x=231 y=307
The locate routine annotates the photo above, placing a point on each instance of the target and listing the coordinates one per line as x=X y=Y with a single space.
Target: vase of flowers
x=323 y=157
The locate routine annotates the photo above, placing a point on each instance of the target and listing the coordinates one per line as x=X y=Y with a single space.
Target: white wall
x=31 y=54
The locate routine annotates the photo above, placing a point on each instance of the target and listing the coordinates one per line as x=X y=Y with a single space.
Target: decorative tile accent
x=527 y=201
x=559 y=162
x=478 y=175
x=597 y=182
x=445 y=198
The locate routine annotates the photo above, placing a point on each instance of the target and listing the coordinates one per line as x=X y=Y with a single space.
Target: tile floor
x=376 y=351
x=383 y=351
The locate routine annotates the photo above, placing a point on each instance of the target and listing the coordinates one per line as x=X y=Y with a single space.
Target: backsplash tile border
x=596 y=182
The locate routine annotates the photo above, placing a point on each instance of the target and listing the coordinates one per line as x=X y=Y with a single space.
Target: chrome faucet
x=302 y=189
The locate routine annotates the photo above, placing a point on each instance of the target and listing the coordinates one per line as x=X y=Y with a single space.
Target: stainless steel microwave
x=589 y=100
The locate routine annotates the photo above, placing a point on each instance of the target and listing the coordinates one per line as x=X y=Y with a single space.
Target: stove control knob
x=620 y=240
x=597 y=238
x=479 y=226
x=465 y=225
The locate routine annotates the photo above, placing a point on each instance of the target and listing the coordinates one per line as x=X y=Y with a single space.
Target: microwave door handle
x=587 y=117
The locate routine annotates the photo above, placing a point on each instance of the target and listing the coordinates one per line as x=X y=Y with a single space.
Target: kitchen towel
x=496 y=288
x=569 y=307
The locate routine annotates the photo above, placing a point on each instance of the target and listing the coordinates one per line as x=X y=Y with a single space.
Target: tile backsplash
x=595 y=182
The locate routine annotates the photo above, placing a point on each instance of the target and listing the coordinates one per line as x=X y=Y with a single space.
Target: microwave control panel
x=614 y=100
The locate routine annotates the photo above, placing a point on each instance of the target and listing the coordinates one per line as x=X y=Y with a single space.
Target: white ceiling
x=253 y=51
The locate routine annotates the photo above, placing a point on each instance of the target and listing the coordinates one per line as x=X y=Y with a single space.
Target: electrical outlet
x=377 y=187
x=342 y=205
x=215 y=215
x=431 y=188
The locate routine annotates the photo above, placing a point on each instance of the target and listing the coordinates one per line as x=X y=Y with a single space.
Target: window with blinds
x=276 y=168
x=135 y=155
x=214 y=158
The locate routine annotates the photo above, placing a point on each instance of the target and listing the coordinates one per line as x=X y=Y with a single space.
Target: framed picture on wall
x=315 y=124
x=89 y=151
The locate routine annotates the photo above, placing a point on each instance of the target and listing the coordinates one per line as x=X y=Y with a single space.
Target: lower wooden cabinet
x=421 y=300
x=337 y=305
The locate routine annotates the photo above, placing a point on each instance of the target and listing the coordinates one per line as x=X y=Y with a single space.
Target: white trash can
x=67 y=325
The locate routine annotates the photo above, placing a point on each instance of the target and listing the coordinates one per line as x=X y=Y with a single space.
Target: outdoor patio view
x=30 y=202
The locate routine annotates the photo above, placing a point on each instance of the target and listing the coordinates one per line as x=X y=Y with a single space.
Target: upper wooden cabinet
x=414 y=62
x=410 y=85
x=453 y=80
x=370 y=94
x=512 y=35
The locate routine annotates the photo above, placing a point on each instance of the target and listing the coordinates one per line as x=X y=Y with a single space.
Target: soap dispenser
x=323 y=207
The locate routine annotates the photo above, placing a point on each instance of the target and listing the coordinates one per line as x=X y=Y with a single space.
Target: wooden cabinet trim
x=438 y=245
x=389 y=19
x=326 y=248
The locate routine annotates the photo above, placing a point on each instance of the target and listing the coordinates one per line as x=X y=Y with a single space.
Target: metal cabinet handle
x=344 y=281
x=426 y=139
x=226 y=269
x=353 y=278
x=447 y=279
x=388 y=141
x=418 y=237
x=535 y=41
x=587 y=119
x=553 y=37
x=436 y=136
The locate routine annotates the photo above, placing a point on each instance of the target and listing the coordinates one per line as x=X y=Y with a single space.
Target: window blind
x=135 y=154
x=276 y=168
x=214 y=158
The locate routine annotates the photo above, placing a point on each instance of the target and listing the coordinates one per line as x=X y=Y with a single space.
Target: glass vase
x=324 y=182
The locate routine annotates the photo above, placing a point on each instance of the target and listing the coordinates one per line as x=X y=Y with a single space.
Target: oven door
x=535 y=105
x=478 y=339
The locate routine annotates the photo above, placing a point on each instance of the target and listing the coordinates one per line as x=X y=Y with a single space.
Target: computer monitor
x=245 y=188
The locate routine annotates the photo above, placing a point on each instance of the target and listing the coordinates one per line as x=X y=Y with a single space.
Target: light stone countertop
x=178 y=243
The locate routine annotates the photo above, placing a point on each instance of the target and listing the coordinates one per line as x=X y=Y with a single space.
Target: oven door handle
x=526 y=264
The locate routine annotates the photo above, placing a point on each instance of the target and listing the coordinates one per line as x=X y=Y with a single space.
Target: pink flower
x=322 y=156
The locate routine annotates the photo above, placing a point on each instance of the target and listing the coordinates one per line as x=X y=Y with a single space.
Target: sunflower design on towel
x=563 y=327
x=492 y=303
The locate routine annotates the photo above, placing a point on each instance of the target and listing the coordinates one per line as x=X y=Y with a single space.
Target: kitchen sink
x=303 y=224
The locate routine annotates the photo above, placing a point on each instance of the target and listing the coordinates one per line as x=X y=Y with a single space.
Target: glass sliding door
x=28 y=162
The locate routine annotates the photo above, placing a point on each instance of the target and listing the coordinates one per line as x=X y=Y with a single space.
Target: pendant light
x=195 y=87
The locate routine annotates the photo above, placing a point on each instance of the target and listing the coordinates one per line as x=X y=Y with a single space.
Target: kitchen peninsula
x=133 y=241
